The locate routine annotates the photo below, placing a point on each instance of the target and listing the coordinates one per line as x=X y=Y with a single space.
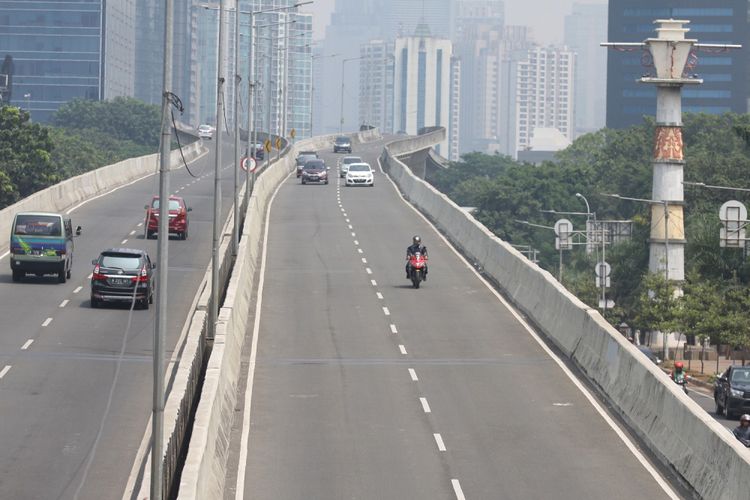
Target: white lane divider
x=368 y=270
x=347 y=221
x=379 y=295
x=402 y=349
x=350 y=226
x=78 y=289
x=124 y=241
x=457 y=489
x=439 y=441
x=132 y=232
x=89 y=276
x=393 y=329
x=27 y=344
x=354 y=235
x=425 y=405
x=386 y=311
x=47 y=322
x=64 y=303
x=374 y=283
x=5 y=370
x=356 y=242
x=413 y=374
x=140 y=224
x=360 y=251
x=364 y=261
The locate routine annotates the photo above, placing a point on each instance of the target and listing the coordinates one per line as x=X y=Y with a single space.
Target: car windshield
x=120 y=261
x=173 y=204
x=741 y=376
x=38 y=225
x=342 y=140
x=204 y=127
x=352 y=159
x=359 y=168
x=313 y=165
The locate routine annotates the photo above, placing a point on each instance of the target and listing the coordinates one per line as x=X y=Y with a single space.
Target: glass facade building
x=63 y=50
x=724 y=73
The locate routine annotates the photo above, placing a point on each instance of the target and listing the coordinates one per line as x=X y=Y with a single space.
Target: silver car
x=345 y=162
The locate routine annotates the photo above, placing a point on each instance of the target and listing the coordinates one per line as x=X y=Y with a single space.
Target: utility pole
x=157 y=416
x=250 y=109
x=237 y=154
x=214 y=311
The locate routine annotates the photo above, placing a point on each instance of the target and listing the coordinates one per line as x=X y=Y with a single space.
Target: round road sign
x=245 y=162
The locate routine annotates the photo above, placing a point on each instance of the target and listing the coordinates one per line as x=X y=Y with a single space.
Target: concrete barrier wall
x=70 y=192
x=681 y=434
x=204 y=470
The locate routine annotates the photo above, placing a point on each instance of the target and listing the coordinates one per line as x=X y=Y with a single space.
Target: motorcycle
x=681 y=379
x=417 y=263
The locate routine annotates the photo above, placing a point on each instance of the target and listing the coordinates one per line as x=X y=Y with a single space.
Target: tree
x=658 y=307
x=700 y=311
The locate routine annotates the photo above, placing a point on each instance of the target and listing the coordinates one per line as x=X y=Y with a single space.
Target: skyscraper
x=403 y=16
x=545 y=92
x=376 y=85
x=68 y=50
x=585 y=28
x=724 y=72
x=422 y=84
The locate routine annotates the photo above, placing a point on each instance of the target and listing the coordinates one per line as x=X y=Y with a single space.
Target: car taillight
x=143 y=278
x=97 y=276
x=61 y=252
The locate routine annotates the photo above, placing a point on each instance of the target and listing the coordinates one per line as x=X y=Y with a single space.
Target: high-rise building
x=724 y=73
x=423 y=76
x=585 y=29
x=454 y=118
x=402 y=17
x=376 y=85
x=545 y=93
x=68 y=50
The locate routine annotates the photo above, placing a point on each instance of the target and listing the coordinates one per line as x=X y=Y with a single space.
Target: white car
x=206 y=132
x=360 y=174
x=345 y=162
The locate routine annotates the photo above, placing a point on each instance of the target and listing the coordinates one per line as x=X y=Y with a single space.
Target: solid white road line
x=245 y=440
x=4 y=255
x=413 y=374
x=379 y=295
x=27 y=344
x=439 y=441
x=47 y=322
x=78 y=289
x=457 y=489
x=374 y=283
x=5 y=370
x=425 y=405
x=64 y=303
x=368 y=270
x=617 y=430
x=70 y=211
x=393 y=329
x=386 y=311
x=402 y=349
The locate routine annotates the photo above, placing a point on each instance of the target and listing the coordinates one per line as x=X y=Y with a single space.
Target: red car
x=178 y=217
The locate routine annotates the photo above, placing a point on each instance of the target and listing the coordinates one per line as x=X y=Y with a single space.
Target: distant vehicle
x=315 y=171
x=650 y=354
x=123 y=275
x=260 y=152
x=205 y=132
x=345 y=162
x=360 y=174
x=342 y=144
x=178 y=217
x=42 y=243
x=732 y=391
x=303 y=157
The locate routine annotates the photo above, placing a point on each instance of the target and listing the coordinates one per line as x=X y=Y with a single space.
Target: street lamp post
x=343 y=79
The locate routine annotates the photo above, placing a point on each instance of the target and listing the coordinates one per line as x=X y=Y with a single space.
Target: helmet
x=417 y=240
x=679 y=365
x=745 y=418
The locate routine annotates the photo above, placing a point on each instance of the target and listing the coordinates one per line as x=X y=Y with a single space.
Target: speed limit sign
x=248 y=162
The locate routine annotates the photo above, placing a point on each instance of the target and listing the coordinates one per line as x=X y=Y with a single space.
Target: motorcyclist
x=678 y=375
x=415 y=247
x=742 y=432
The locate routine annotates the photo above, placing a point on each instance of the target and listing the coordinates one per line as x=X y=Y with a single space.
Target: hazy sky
x=548 y=28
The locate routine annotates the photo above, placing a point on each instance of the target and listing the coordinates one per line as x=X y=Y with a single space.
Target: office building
x=376 y=85
x=68 y=50
x=402 y=17
x=545 y=93
x=422 y=85
x=585 y=29
x=724 y=73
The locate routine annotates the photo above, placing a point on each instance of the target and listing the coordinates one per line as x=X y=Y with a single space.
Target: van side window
x=68 y=229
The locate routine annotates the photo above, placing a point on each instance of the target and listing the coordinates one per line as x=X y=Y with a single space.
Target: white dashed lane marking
x=374 y=283
x=47 y=322
x=364 y=261
x=369 y=271
x=402 y=349
x=140 y=224
x=4 y=371
x=124 y=241
x=356 y=242
x=413 y=374
x=354 y=235
x=27 y=344
x=379 y=295
x=360 y=251
x=457 y=489
x=132 y=232
x=89 y=276
x=64 y=303
x=425 y=405
x=78 y=289
x=439 y=441
x=386 y=311
x=393 y=329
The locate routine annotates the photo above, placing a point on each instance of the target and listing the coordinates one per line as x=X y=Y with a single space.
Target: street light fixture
x=709 y=186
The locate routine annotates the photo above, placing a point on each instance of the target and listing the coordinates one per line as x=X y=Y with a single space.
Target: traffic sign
x=278 y=143
x=563 y=230
x=245 y=162
x=267 y=145
x=293 y=133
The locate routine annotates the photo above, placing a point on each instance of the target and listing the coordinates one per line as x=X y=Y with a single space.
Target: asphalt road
x=75 y=382
x=366 y=388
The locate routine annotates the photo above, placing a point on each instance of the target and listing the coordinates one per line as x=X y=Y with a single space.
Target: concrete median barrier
x=678 y=432
x=70 y=192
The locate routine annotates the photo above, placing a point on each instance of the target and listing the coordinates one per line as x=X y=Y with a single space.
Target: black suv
x=122 y=274
x=315 y=171
x=732 y=391
x=342 y=144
